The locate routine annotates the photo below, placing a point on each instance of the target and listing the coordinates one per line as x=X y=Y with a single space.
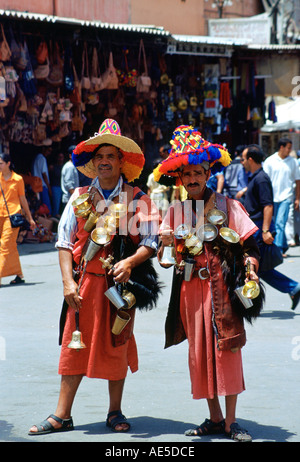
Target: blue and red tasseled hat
x=188 y=147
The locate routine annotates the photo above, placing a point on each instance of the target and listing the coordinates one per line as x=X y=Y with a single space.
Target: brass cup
x=216 y=217
x=91 y=221
x=82 y=201
x=118 y=211
x=207 y=232
x=251 y=290
x=194 y=245
x=100 y=236
x=83 y=212
x=129 y=298
x=229 y=235
x=122 y=319
x=182 y=231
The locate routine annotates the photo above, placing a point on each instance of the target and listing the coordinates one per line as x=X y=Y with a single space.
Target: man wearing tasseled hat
x=213 y=245
x=122 y=264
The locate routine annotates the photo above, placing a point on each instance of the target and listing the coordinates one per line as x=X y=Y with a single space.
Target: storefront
x=61 y=78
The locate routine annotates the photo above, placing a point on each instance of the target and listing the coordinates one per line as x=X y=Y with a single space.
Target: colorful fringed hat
x=188 y=147
x=109 y=133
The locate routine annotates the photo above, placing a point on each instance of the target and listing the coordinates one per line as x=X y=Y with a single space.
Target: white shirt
x=69 y=180
x=283 y=173
x=67 y=228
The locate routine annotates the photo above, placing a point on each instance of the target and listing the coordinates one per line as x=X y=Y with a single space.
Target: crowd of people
x=252 y=196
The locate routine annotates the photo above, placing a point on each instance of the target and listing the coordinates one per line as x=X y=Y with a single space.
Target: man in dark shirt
x=259 y=205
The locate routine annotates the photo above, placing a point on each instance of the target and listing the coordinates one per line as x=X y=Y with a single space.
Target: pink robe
x=212 y=372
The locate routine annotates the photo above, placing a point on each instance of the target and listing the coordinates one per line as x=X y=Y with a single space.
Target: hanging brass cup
x=91 y=221
x=82 y=205
x=229 y=235
x=121 y=321
x=117 y=211
x=216 y=216
x=207 y=232
x=194 y=245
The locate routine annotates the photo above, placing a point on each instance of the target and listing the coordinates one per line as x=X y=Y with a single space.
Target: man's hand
x=71 y=295
x=268 y=238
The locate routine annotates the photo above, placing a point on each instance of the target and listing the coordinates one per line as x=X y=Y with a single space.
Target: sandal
x=46 y=427
x=117 y=420
x=238 y=434
x=17 y=280
x=208 y=427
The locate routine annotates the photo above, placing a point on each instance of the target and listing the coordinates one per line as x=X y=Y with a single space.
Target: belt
x=96 y=274
x=203 y=273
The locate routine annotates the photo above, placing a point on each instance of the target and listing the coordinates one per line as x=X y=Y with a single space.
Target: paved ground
x=157 y=398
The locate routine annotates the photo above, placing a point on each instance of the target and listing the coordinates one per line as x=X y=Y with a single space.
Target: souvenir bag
x=28 y=79
x=143 y=81
x=96 y=80
x=42 y=70
x=68 y=70
x=17 y=219
x=126 y=77
x=110 y=79
x=21 y=58
x=85 y=79
x=5 y=52
x=56 y=75
x=42 y=52
x=75 y=96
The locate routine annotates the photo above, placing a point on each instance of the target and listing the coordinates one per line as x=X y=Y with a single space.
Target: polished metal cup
x=117 y=211
x=115 y=298
x=97 y=239
x=188 y=268
x=129 y=298
x=194 y=245
x=229 y=235
x=216 y=216
x=91 y=221
x=245 y=301
x=121 y=321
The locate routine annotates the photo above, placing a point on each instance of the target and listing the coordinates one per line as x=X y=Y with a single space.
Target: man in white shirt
x=40 y=169
x=69 y=178
x=283 y=171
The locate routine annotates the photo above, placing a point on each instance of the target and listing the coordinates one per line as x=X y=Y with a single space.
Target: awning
x=140 y=28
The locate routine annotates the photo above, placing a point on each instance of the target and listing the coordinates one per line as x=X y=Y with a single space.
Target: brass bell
x=76 y=342
x=168 y=256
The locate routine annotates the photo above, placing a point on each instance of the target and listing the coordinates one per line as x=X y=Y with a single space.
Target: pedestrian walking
x=259 y=204
x=283 y=171
x=12 y=200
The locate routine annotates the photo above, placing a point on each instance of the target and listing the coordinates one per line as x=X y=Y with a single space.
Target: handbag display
x=17 y=219
x=56 y=74
x=143 y=81
x=85 y=77
x=5 y=52
x=110 y=79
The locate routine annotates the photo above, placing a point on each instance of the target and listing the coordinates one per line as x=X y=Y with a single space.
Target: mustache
x=193 y=184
